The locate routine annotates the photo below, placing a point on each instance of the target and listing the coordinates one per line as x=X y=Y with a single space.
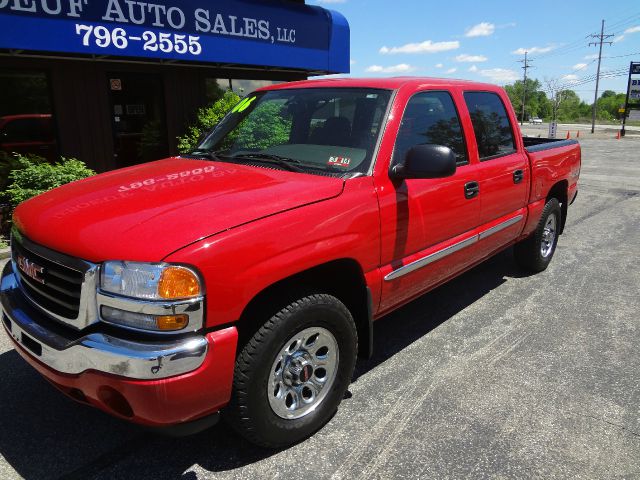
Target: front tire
x=293 y=373
x=535 y=252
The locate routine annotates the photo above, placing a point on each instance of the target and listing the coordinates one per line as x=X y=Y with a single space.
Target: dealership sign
x=246 y=32
x=634 y=89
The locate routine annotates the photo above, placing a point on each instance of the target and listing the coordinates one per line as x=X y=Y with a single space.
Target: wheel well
x=341 y=278
x=560 y=192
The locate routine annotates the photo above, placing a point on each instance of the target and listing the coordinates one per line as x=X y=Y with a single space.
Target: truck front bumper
x=156 y=383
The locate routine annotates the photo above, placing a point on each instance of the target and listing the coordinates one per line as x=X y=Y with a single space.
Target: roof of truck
x=390 y=83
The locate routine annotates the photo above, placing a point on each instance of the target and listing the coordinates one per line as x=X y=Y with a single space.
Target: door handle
x=518 y=175
x=471 y=189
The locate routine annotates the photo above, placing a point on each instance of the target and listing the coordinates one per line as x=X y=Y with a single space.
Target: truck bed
x=537 y=144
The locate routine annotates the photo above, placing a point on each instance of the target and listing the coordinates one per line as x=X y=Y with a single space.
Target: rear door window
x=491 y=125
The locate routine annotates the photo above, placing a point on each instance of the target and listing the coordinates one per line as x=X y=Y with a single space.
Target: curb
x=5 y=253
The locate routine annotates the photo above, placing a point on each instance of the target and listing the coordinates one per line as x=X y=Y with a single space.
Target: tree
x=570 y=107
x=609 y=105
x=536 y=102
x=557 y=96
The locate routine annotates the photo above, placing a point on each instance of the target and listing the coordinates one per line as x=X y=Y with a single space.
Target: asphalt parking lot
x=495 y=375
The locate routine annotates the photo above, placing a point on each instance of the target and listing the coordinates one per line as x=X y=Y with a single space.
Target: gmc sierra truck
x=242 y=280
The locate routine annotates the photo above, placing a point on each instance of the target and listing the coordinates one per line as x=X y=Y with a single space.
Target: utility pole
x=524 y=85
x=600 y=41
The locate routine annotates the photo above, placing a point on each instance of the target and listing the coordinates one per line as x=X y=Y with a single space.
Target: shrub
x=32 y=178
x=207 y=118
x=9 y=162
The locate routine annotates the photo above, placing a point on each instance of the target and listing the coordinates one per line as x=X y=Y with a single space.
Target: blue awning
x=238 y=32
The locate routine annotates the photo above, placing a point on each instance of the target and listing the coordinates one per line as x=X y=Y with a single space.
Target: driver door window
x=430 y=118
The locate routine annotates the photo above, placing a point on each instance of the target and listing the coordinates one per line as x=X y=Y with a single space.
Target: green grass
x=3 y=243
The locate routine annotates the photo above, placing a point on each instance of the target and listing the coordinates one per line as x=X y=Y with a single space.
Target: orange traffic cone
x=568 y=134
x=618 y=135
x=578 y=135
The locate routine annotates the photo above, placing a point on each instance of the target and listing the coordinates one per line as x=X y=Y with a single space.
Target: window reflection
x=26 y=121
x=430 y=118
x=490 y=124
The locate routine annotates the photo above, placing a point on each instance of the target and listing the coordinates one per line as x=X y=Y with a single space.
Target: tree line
x=563 y=104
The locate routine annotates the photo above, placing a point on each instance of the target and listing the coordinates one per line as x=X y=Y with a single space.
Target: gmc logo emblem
x=32 y=270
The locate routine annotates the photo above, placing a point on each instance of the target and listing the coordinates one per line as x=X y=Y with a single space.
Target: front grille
x=60 y=293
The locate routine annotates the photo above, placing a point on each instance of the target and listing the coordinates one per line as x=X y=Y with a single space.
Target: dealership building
x=114 y=82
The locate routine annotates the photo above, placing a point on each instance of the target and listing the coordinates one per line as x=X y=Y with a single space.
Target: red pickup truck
x=244 y=277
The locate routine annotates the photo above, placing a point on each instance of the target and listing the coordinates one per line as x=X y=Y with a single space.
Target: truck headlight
x=149 y=281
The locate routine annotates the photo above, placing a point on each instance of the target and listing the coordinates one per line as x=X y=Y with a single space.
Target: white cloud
x=473 y=68
x=483 y=29
x=425 y=47
x=400 y=68
x=500 y=75
x=579 y=66
x=451 y=70
x=571 y=78
x=533 y=50
x=633 y=29
x=618 y=39
x=593 y=56
x=471 y=58
x=439 y=65
x=352 y=62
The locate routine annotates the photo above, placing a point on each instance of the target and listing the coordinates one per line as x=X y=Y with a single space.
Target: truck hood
x=147 y=211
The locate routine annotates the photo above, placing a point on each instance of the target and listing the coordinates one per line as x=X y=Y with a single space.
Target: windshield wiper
x=210 y=154
x=204 y=153
x=286 y=162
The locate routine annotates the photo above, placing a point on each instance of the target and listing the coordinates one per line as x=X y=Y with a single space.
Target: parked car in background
x=535 y=120
x=244 y=277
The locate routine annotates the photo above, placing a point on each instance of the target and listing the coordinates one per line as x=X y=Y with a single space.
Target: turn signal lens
x=178 y=282
x=145 y=321
x=172 y=322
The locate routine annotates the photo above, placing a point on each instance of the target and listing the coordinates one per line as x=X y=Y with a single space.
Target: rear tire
x=292 y=374
x=535 y=252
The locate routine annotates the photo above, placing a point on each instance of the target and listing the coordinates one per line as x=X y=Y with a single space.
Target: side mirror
x=426 y=161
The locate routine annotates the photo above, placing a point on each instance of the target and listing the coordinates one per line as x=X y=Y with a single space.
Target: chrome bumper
x=73 y=353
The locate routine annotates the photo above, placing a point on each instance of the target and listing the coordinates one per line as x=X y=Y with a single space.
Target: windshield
x=310 y=129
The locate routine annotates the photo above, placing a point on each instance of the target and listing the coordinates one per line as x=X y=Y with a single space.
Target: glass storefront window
x=26 y=121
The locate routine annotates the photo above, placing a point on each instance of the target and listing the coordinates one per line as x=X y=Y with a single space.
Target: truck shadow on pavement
x=45 y=435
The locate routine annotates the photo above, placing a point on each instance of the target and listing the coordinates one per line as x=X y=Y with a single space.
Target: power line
x=578 y=44
x=577 y=83
x=600 y=38
x=627 y=55
x=591 y=78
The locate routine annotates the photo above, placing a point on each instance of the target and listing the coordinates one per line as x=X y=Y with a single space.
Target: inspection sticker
x=339 y=161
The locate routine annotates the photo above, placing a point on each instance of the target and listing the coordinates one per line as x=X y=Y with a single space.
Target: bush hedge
x=31 y=176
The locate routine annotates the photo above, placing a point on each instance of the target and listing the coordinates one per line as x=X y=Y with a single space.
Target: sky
x=484 y=40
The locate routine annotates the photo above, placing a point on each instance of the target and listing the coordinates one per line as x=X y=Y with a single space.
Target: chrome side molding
x=501 y=226
x=434 y=257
